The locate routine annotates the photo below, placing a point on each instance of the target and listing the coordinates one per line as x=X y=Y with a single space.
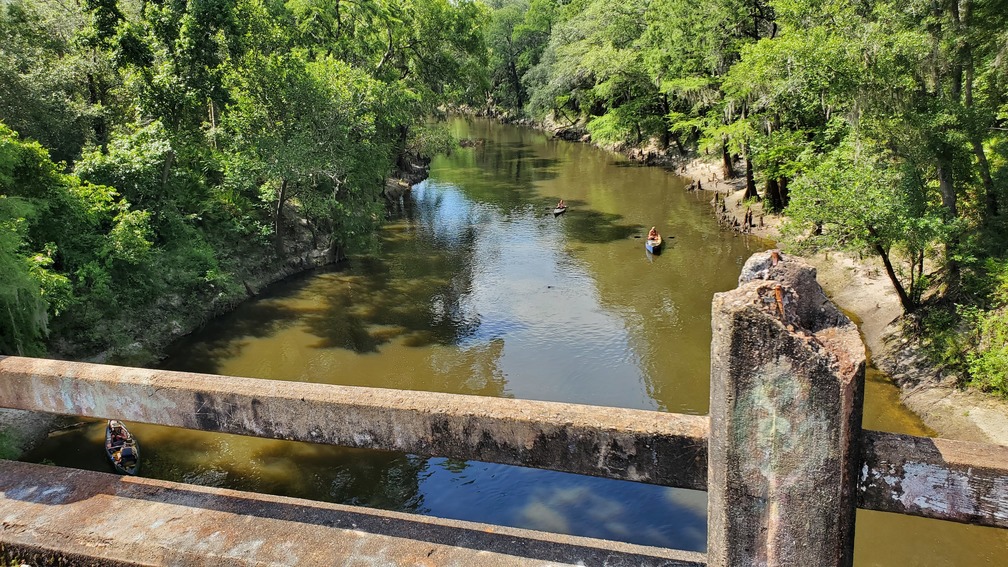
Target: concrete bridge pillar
x=787 y=379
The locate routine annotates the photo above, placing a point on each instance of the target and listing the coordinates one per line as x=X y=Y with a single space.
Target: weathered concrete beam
x=643 y=446
x=935 y=478
x=787 y=376
x=51 y=515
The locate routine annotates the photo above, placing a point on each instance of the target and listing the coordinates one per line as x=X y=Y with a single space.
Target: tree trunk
x=916 y=271
x=334 y=253
x=212 y=115
x=905 y=301
x=278 y=219
x=908 y=305
x=665 y=127
x=750 y=181
x=946 y=187
x=339 y=22
x=959 y=53
x=387 y=55
x=564 y=114
x=166 y=170
x=772 y=194
x=727 y=168
x=785 y=193
x=100 y=127
x=402 y=161
x=515 y=79
x=679 y=144
x=990 y=196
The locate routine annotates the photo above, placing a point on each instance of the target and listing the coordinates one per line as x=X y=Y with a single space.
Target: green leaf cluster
x=154 y=155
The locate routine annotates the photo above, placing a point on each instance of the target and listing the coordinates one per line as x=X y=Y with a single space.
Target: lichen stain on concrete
x=364 y=556
x=98 y=399
x=933 y=488
x=22 y=493
x=872 y=477
x=362 y=438
x=200 y=543
x=54 y=495
x=49 y=496
x=764 y=426
x=245 y=550
x=289 y=550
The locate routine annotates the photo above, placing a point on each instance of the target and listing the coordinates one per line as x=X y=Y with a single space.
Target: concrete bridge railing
x=782 y=455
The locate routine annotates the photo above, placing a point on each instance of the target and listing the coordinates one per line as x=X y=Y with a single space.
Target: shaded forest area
x=155 y=154
x=876 y=127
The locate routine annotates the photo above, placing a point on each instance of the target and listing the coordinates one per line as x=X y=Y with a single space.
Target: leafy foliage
x=876 y=127
x=23 y=321
x=988 y=363
x=986 y=337
x=188 y=135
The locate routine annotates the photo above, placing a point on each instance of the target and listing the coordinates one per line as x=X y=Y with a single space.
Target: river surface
x=476 y=288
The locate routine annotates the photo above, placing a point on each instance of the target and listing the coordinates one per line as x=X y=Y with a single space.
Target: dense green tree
x=358 y=32
x=860 y=200
x=689 y=47
x=23 y=313
x=304 y=130
x=82 y=242
x=516 y=38
x=897 y=79
x=196 y=131
x=186 y=135
x=592 y=66
x=42 y=95
x=506 y=54
x=876 y=127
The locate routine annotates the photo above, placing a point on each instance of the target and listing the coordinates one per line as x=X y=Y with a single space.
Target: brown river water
x=476 y=288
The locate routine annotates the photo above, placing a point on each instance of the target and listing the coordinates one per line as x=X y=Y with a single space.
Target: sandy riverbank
x=860 y=287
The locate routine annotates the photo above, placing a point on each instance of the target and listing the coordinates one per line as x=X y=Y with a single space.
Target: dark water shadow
x=594 y=227
x=386 y=480
x=374 y=478
x=379 y=306
x=503 y=175
x=220 y=339
x=541 y=163
x=413 y=291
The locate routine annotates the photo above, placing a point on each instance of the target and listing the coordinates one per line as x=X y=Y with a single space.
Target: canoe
x=654 y=245
x=122 y=451
x=559 y=211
